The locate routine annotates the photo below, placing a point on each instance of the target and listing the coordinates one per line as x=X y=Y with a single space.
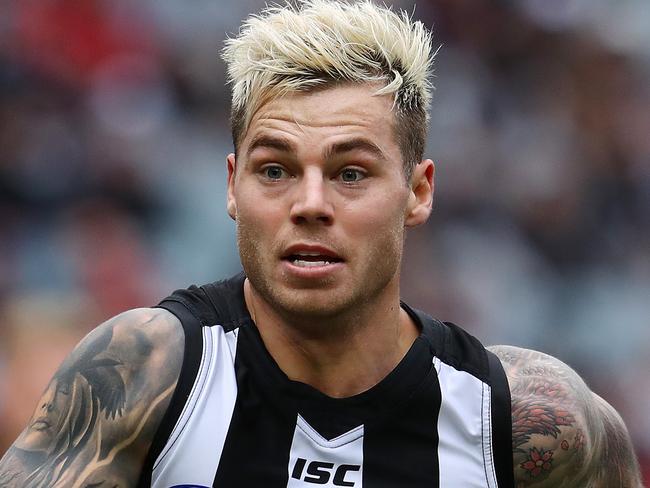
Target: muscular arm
x=563 y=434
x=96 y=420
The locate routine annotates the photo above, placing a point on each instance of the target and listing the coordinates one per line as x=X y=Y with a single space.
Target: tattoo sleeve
x=562 y=433
x=96 y=419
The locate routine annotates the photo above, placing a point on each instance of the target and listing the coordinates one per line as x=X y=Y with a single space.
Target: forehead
x=324 y=114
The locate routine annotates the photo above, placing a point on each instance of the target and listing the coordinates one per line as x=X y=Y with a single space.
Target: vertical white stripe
x=193 y=451
x=461 y=423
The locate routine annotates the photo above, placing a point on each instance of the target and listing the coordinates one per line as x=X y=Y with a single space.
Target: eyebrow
x=357 y=144
x=266 y=141
x=284 y=145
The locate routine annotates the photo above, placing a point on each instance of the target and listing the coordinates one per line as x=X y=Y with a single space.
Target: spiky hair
x=319 y=42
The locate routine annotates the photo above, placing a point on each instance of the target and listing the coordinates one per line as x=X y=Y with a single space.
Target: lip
x=311 y=272
x=40 y=424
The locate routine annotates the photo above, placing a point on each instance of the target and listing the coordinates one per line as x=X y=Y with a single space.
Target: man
x=306 y=369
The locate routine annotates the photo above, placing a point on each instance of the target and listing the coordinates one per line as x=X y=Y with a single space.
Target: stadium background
x=113 y=136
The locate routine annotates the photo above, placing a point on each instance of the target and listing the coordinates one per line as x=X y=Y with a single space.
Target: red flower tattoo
x=538 y=461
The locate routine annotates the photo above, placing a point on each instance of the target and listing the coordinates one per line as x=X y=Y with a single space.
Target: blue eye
x=274 y=172
x=351 y=175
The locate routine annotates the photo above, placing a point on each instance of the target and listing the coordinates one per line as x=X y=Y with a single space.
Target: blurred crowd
x=113 y=137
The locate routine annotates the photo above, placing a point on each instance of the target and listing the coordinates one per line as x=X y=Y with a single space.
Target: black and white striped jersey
x=441 y=418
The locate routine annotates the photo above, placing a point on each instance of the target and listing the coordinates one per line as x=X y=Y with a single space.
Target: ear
x=421 y=198
x=231 y=202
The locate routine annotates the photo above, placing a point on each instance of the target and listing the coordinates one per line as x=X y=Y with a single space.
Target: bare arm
x=96 y=420
x=564 y=435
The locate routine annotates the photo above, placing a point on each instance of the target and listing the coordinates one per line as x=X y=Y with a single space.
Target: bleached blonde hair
x=317 y=43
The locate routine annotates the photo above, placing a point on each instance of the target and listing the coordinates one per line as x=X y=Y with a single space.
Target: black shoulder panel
x=453 y=345
x=227 y=300
x=465 y=352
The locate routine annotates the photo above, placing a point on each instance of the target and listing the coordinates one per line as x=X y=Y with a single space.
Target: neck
x=343 y=355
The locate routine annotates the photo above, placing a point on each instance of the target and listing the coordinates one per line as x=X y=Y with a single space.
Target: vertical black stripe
x=189 y=370
x=256 y=452
x=501 y=423
x=402 y=450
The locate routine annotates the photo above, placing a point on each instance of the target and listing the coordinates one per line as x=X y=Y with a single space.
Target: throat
x=339 y=359
x=345 y=379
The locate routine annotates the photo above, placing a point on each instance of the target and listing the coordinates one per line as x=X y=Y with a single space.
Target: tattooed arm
x=96 y=420
x=563 y=434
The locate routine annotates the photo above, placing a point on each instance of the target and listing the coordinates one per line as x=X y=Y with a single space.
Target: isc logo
x=320 y=472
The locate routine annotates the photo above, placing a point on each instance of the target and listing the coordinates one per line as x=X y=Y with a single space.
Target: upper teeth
x=307 y=264
x=311 y=259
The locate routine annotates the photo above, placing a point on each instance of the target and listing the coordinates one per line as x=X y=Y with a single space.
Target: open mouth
x=311 y=260
x=305 y=255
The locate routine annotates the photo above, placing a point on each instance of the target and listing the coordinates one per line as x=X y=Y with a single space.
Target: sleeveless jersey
x=440 y=419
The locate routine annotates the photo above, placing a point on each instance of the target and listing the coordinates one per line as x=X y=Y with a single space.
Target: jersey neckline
x=331 y=416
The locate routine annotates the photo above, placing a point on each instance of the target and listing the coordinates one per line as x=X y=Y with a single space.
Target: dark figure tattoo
x=61 y=427
x=98 y=415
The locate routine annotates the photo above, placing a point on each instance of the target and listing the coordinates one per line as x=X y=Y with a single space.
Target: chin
x=312 y=303
x=33 y=441
x=332 y=297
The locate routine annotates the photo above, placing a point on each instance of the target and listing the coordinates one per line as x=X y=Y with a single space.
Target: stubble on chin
x=381 y=265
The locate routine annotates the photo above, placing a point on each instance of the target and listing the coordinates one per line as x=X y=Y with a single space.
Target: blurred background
x=113 y=137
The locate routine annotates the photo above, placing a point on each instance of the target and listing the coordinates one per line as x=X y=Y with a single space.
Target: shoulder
x=151 y=322
x=129 y=334
x=133 y=342
x=563 y=434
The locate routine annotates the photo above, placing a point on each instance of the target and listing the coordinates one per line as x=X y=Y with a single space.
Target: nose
x=312 y=203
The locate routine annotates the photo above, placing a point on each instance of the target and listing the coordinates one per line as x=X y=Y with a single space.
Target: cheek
x=256 y=231
x=384 y=216
x=260 y=211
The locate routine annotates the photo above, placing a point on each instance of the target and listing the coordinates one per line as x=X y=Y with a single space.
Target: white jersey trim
x=464 y=430
x=488 y=455
x=339 y=441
